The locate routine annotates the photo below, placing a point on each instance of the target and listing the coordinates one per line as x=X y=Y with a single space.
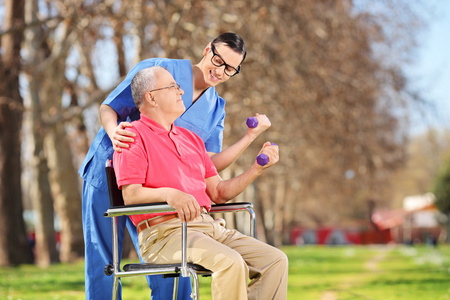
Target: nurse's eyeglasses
x=218 y=62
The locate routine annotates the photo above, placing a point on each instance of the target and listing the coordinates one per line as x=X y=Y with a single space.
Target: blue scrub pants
x=97 y=232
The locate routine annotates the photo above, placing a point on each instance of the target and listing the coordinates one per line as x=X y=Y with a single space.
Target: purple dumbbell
x=263 y=159
x=252 y=122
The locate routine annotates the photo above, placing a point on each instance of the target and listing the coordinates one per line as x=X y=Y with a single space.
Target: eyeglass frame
x=177 y=86
x=224 y=63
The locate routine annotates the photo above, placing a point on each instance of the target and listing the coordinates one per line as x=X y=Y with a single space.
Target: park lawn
x=378 y=272
x=315 y=272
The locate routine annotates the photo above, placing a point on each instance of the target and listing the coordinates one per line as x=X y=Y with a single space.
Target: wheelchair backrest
x=115 y=195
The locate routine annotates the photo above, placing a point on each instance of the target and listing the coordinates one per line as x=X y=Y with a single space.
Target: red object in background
x=32 y=237
x=32 y=241
x=339 y=236
x=376 y=237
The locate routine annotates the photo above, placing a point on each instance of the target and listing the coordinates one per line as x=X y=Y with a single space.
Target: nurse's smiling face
x=220 y=62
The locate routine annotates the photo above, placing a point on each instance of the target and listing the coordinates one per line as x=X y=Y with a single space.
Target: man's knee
x=233 y=262
x=279 y=258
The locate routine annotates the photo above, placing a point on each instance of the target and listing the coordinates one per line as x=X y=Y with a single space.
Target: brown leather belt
x=155 y=221
x=159 y=219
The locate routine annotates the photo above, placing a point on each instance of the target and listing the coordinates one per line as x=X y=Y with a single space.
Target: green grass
x=315 y=272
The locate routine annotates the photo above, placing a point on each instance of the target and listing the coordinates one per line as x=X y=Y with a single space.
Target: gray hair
x=143 y=81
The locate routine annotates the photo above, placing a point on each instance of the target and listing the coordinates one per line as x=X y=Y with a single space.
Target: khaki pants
x=233 y=257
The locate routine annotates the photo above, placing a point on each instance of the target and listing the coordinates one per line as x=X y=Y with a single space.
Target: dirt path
x=329 y=295
x=371 y=265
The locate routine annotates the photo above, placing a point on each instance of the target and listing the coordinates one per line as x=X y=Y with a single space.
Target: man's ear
x=150 y=99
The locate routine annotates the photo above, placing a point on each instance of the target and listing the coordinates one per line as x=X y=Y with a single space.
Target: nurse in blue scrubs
x=204 y=115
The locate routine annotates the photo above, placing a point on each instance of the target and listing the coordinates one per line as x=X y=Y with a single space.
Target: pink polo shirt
x=161 y=158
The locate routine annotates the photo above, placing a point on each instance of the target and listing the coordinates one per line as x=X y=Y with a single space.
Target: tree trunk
x=65 y=189
x=260 y=211
x=42 y=200
x=41 y=197
x=63 y=176
x=279 y=204
x=290 y=207
x=14 y=247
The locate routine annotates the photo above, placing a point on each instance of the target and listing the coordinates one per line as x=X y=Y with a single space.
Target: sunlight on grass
x=315 y=272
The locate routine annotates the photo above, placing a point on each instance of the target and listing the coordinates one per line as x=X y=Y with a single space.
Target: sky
x=431 y=70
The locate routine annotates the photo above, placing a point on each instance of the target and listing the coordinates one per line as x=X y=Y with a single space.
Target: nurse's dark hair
x=233 y=41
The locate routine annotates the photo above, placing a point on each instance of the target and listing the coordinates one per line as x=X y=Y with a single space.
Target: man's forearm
x=185 y=204
x=228 y=189
x=137 y=194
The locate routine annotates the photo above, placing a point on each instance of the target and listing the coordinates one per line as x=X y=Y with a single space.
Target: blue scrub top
x=205 y=117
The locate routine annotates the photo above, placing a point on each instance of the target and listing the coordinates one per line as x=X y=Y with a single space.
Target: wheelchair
x=183 y=268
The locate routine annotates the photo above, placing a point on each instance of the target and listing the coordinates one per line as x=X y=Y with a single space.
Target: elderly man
x=170 y=164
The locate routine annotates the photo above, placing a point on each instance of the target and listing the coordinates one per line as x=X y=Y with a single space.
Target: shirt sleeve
x=131 y=164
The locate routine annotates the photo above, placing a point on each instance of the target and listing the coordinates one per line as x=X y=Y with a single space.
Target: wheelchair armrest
x=137 y=209
x=230 y=207
x=148 y=208
x=237 y=206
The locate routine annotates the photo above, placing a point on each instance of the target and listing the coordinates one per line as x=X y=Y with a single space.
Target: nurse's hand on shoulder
x=263 y=124
x=122 y=137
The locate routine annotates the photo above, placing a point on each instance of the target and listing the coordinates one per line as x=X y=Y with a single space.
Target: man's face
x=167 y=94
x=213 y=73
